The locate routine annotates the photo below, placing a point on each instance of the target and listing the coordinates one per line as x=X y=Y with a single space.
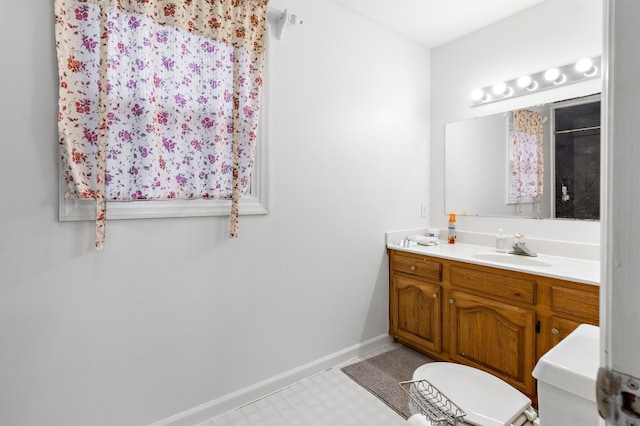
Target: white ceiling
x=435 y=22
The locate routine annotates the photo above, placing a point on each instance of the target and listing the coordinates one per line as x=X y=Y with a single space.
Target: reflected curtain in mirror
x=526 y=158
x=159 y=100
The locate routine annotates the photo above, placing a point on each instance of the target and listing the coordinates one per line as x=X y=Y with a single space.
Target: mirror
x=485 y=163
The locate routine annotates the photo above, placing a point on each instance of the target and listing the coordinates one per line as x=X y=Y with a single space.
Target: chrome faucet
x=520 y=248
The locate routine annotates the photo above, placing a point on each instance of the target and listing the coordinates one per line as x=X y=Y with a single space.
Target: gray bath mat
x=382 y=374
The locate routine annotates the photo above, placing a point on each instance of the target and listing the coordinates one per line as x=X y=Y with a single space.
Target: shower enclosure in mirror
x=537 y=162
x=577 y=160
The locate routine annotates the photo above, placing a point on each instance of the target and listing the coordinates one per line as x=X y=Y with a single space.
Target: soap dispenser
x=451 y=238
x=501 y=242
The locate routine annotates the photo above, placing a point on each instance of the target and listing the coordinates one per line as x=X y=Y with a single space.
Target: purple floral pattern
x=158 y=101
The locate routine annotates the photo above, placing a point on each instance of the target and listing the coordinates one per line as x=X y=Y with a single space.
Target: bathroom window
x=253 y=202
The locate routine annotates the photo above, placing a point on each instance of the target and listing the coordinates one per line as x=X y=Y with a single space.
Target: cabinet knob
x=451 y=301
x=555 y=331
x=413 y=267
x=435 y=295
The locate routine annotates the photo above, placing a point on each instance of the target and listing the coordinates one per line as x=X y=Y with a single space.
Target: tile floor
x=329 y=398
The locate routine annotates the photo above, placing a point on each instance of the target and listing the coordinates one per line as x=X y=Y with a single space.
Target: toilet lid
x=486 y=400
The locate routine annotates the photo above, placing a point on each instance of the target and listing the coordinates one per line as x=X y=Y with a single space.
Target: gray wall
x=550 y=34
x=174 y=314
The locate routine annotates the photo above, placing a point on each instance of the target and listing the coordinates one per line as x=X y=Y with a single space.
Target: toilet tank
x=567 y=380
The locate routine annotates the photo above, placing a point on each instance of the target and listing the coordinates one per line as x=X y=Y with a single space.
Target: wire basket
x=432 y=403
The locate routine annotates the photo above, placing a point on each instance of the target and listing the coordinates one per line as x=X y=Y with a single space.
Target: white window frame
x=254 y=202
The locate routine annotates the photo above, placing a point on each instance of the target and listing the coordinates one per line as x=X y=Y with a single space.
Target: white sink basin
x=511 y=259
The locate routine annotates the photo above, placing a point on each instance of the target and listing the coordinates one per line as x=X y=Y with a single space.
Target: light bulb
x=554 y=75
x=499 y=88
x=477 y=95
x=526 y=82
x=586 y=67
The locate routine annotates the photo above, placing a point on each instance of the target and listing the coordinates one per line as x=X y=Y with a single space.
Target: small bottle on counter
x=501 y=242
x=451 y=237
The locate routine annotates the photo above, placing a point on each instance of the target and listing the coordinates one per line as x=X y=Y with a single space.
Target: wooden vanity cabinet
x=497 y=320
x=563 y=306
x=492 y=322
x=415 y=312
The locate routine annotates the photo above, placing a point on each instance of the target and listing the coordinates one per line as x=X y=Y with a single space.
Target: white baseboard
x=261 y=389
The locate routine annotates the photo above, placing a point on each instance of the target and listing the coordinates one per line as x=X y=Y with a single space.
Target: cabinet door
x=555 y=329
x=561 y=328
x=495 y=337
x=415 y=312
x=571 y=305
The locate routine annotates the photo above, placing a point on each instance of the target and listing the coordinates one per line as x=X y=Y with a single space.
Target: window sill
x=77 y=210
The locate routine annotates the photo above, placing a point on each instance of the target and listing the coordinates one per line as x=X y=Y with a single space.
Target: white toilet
x=567 y=380
x=486 y=400
x=566 y=388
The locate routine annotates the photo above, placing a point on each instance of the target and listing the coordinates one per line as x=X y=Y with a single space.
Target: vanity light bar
x=584 y=69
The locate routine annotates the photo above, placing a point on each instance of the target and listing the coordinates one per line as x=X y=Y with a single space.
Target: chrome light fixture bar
x=584 y=69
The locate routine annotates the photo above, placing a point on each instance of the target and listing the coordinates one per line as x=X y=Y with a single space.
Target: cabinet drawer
x=501 y=286
x=575 y=302
x=417 y=265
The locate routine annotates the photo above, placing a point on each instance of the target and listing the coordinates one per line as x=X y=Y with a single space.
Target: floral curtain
x=528 y=157
x=159 y=99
